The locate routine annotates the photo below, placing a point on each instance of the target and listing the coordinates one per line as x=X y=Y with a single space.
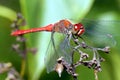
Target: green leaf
x=7 y=13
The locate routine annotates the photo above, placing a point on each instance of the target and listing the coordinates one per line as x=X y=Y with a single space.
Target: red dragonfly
x=63 y=26
x=67 y=29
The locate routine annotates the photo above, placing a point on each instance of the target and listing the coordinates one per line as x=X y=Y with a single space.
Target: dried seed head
x=101 y=59
x=5 y=67
x=59 y=69
x=19 y=16
x=106 y=49
x=84 y=45
x=59 y=66
x=8 y=65
x=15 y=46
x=60 y=59
x=75 y=75
x=13 y=75
x=98 y=68
x=20 y=39
x=84 y=56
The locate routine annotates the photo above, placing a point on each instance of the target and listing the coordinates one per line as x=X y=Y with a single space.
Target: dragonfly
x=68 y=31
x=63 y=26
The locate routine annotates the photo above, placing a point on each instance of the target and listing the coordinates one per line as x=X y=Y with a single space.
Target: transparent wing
x=50 y=57
x=66 y=49
x=58 y=46
x=101 y=32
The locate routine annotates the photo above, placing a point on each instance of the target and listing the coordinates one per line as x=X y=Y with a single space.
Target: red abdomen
x=48 y=28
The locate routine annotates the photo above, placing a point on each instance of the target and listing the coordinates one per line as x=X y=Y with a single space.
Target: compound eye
x=78 y=29
x=78 y=26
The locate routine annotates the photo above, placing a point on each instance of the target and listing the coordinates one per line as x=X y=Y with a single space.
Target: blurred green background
x=42 y=12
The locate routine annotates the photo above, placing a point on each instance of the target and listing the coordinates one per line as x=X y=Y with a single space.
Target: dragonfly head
x=78 y=29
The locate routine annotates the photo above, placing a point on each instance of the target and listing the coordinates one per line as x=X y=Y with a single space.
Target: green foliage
x=42 y=12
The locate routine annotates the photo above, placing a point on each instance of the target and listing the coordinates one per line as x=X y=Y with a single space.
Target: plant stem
x=23 y=65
